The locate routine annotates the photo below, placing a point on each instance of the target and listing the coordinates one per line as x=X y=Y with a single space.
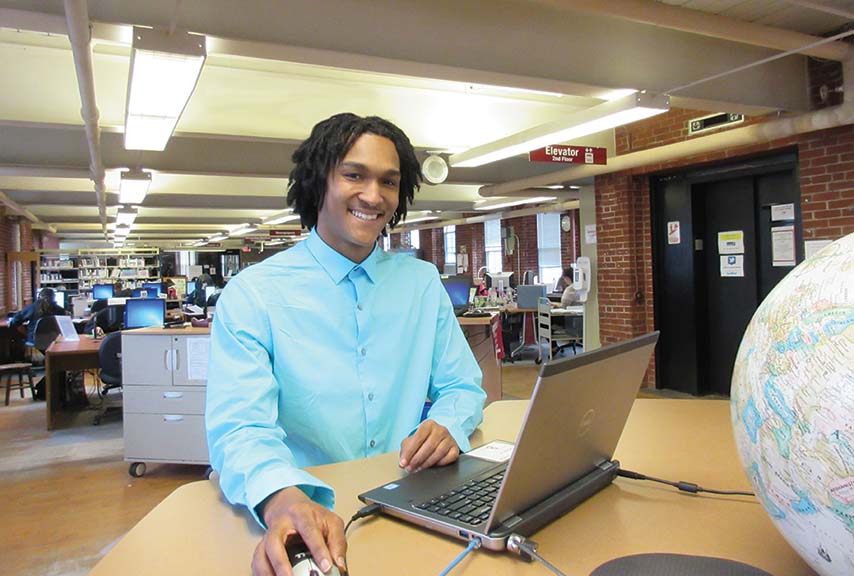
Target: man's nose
x=372 y=191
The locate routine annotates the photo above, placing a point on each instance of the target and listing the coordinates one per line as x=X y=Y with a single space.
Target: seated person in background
x=327 y=351
x=97 y=306
x=570 y=297
x=119 y=290
x=564 y=281
x=45 y=305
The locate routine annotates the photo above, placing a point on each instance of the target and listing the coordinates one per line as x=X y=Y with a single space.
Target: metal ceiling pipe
x=774 y=130
x=77 y=18
x=706 y=24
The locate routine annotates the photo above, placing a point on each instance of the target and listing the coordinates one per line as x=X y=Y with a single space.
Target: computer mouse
x=302 y=562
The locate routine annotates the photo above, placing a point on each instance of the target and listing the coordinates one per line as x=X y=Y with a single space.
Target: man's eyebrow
x=359 y=166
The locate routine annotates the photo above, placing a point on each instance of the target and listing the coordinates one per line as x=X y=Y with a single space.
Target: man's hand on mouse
x=290 y=511
x=430 y=445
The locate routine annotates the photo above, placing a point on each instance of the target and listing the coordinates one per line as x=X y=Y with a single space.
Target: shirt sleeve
x=247 y=446
x=455 y=380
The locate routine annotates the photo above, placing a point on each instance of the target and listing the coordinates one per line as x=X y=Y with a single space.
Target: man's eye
x=352 y=176
x=390 y=182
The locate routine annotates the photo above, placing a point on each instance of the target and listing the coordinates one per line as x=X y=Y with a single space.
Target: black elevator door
x=730 y=300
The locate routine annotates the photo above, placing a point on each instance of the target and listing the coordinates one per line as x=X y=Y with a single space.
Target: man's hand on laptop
x=430 y=445
x=290 y=511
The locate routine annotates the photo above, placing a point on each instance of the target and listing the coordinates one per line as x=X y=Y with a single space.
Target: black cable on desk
x=364 y=512
x=689 y=487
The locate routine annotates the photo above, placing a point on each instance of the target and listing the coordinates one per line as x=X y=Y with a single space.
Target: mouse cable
x=364 y=512
x=474 y=544
x=527 y=549
x=681 y=485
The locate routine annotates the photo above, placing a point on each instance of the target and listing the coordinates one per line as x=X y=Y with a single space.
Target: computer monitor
x=141 y=293
x=102 y=291
x=154 y=288
x=144 y=312
x=500 y=280
x=458 y=290
x=191 y=287
x=58 y=297
x=209 y=291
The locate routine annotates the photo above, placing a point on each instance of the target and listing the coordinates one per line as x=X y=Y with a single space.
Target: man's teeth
x=363 y=216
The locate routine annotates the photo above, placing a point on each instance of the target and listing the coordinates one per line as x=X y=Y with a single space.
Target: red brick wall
x=471 y=240
x=826 y=171
x=433 y=246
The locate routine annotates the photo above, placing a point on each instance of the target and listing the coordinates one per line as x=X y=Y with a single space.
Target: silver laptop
x=562 y=454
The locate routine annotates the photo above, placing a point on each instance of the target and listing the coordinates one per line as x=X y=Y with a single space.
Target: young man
x=327 y=351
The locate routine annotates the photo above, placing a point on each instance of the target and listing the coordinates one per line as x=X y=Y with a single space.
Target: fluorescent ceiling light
x=218 y=238
x=274 y=242
x=243 y=230
x=164 y=69
x=134 y=186
x=481 y=88
x=125 y=216
x=596 y=119
x=280 y=219
x=515 y=203
x=121 y=231
x=421 y=219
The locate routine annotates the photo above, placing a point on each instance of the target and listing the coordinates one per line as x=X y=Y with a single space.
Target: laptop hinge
x=560 y=503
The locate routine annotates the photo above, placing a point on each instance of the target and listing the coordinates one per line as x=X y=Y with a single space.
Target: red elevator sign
x=569 y=154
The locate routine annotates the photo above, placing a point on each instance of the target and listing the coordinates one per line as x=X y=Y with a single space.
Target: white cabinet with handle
x=164 y=372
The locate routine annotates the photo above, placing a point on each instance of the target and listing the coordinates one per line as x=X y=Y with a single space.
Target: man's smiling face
x=362 y=194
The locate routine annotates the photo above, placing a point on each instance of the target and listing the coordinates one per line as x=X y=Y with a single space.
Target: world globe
x=792 y=407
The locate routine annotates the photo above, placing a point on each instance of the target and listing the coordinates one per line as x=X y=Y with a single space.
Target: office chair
x=110 y=359
x=47 y=330
x=553 y=334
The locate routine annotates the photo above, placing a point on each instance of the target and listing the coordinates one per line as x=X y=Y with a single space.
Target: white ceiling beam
x=705 y=24
x=16 y=208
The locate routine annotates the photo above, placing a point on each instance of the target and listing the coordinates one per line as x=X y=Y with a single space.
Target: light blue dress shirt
x=316 y=359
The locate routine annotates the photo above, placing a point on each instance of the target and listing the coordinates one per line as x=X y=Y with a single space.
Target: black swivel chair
x=110 y=319
x=46 y=331
x=110 y=359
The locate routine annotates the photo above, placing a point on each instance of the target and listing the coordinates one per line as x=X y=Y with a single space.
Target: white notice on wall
x=198 y=350
x=811 y=247
x=590 y=233
x=732 y=266
x=731 y=242
x=782 y=212
x=783 y=246
x=673 y=234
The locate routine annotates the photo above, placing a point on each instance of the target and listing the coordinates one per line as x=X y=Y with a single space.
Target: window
x=186 y=258
x=548 y=248
x=415 y=239
x=450 y=249
x=492 y=241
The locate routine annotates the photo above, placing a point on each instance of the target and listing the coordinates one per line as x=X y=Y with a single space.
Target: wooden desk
x=194 y=531
x=481 y=334
x=64 y=355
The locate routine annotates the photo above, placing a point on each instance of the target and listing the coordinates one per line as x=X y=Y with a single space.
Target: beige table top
x=193 y=531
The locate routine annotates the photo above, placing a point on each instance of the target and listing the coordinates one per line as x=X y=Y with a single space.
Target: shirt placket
x=369 y=393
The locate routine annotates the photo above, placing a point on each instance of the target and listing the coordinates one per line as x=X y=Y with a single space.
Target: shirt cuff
x=268 y=482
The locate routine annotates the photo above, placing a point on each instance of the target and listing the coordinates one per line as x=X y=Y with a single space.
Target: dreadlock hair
x=329 y=142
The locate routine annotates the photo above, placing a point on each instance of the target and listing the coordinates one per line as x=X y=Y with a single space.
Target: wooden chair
x=20 y=369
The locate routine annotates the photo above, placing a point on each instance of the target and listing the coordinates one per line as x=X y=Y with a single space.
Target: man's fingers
x=337 y=542
x=314 y=539
x=274 y=551
x=260 y=565
x=438 y=453
x=410 y=445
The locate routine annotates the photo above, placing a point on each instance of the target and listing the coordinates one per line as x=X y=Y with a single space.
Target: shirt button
x=364 y=351
x=359 y=306
x=373 y=443
x=371 y=396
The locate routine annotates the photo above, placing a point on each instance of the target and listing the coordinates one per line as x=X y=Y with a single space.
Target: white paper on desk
x=198 y=350
x=66 y=328
x=495 y=451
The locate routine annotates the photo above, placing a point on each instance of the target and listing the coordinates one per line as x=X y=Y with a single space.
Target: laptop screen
x=144 y=312
x=458 y=290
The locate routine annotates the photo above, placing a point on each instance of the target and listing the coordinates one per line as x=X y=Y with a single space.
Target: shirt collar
x=336 y=265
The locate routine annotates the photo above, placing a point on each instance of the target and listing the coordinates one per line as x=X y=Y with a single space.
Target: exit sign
x=569 y=154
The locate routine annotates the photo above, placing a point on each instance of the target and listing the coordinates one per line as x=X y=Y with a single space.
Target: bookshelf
x=78 y=270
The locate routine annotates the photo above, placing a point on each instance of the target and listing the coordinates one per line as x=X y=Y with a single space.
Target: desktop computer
x=144 y=312
x=102 y=291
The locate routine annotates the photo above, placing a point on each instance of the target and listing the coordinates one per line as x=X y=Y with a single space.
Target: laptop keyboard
x=470 y=503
